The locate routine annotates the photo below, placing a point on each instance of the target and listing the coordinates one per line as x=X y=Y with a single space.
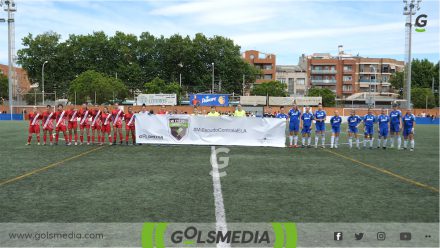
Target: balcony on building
x=323 y=81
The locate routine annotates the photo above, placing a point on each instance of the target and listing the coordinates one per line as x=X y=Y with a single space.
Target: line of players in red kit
x=91 y=122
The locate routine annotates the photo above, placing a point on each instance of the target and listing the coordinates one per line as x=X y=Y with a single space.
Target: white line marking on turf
x=220 y=216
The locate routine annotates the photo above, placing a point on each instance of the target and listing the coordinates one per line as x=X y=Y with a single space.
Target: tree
x=136 y=60
x=422 y=97
x=396 y=80
x=4 y=87
x=158 y=86
x=328 y=97
x=91 y=82
x=272 y=88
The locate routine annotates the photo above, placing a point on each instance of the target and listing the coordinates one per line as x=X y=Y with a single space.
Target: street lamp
x=180 y=74
x=42 y=78
x=409 y=10
x=212 y=91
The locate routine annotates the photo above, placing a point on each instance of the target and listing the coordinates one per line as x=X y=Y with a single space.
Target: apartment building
x=22 y=84
x=345 y=74
x=295 y=77
x=263 y=61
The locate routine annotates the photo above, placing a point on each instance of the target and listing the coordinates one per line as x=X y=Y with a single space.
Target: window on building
x=347 y=88
x=347 y=78
x=317 y=68
x=267 y=67
x=301 y=81
x=348 y=68
x=281 y=80
x=291 y=87
x=252 y=56
x=267 y=76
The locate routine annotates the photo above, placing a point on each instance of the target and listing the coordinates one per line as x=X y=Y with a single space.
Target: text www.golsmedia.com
x=54 y=236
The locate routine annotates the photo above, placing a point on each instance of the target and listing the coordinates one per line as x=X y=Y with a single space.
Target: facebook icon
x=338 y=236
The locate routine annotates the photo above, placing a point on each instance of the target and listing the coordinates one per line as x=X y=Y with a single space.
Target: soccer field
x=173 y=183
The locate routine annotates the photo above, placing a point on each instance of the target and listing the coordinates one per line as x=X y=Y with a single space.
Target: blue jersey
x=320 y=114
x=383 y=121
x=395 y=116
x=294 y=115
x=307 y=119
x=369 y=120
x=408 y=120
x=336 y=121
x=354 y=120
x=282 y=116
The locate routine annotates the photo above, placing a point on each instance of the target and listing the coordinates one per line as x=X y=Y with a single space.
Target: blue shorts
x=336 y=129
x=306 y=129
x=294 y=126
x=320 y=126
x=383 y=132
x=407 y=131
x=353 y=129
x=395 y=127
x=369 y=130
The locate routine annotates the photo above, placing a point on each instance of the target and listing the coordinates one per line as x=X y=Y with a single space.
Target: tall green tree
x=272 y=88
x=422 y=98
x=90 y=82
x=159 y=86
x=4 y=88
x=328 y=97
x=136 y=60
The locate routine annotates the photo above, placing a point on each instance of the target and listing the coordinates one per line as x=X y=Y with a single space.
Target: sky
x=286 y=28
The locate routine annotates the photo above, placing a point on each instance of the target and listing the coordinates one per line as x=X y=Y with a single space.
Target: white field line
x=220 y=216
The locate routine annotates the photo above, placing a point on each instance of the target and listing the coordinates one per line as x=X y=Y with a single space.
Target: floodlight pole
x=409 y=10
x=212 y=91
x=10 y=8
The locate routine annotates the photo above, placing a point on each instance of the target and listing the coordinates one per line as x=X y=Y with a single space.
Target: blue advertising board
x=209 y=100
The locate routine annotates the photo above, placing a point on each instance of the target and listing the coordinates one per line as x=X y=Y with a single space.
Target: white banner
x=156 y=99
x=204 y=130
x=299 y=100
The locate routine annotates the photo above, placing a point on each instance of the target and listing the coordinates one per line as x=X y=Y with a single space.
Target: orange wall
x=189 y=109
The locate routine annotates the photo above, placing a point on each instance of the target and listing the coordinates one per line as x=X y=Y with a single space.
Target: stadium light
x=42 y=78
x=10 y=8
x=410 y=8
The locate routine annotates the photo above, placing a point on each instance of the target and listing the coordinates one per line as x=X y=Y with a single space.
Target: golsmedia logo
x=191 y=236
x=207 y=235
x=421 y=23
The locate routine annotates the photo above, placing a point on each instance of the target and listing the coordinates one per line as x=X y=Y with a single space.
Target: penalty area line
x=387 y=172
x=47 y=167
x=220 y=216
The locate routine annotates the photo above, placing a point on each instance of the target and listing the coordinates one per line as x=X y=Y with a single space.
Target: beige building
x=295 y=77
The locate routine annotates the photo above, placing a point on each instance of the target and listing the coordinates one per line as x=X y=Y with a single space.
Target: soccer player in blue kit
x=409 y=122
x=369 y=120
x=395 y=117
x=383 y=119
x=281 y=114
x=320 y=116
x=353 y=123
x=294 y=117
x=306 y=127
x=335 y=121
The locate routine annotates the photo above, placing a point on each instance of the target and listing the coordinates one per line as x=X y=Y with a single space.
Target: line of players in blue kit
x=387 y=126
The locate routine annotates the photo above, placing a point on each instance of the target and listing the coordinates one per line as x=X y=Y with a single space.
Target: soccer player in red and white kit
x=60 y=124
x=129 y=126
x=84 y=123
x=117 y=116
x=106 y=127
x=48 y=117
x=72 y=115
x=96 y=123
x=34 y=125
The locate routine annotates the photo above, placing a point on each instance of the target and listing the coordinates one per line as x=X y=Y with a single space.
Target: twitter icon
x=358 y=236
